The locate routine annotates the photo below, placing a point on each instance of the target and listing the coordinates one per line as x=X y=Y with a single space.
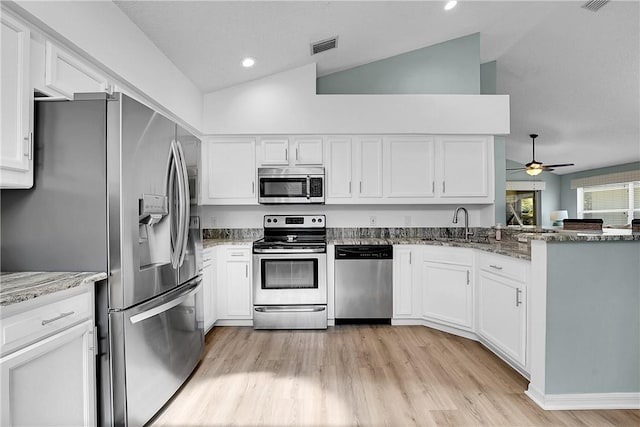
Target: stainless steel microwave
x=290 y=185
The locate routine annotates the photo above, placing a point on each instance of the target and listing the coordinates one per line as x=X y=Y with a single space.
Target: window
x=615 y=204
x=522 y=207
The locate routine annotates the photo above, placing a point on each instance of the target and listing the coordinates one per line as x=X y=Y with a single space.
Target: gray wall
x=569 y=197
x=488 y=76
x=452 y=67
x=500 y=163
x=550 y=196
x=593 y=318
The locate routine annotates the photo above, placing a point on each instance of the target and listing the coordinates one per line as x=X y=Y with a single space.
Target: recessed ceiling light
x=248 y=62
x=450 y=5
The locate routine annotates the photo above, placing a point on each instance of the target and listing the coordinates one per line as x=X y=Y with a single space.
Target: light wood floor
x=360 y=376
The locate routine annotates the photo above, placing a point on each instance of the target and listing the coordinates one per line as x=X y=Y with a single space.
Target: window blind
x=612 y=178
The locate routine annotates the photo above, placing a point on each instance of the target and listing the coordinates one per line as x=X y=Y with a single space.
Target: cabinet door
x=51 y=382
x=229 y=171
x=409 y=167
x=338 y=170
x=502 y=314
x=308 y=151
x=16 y=145
x=368 y=159
x=447 y=293
x=275 y=151
x=67 y=74
x=464 y=166
x=238 y=289
x=403 y=275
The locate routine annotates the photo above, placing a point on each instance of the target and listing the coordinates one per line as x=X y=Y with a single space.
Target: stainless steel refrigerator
x=116 y=190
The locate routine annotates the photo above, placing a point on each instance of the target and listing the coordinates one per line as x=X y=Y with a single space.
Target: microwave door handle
x=186 y=202
x=308 y=187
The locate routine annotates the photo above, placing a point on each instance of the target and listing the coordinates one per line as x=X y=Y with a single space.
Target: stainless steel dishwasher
x=363 y=283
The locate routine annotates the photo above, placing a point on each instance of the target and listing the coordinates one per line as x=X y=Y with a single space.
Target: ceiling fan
x=534 y=167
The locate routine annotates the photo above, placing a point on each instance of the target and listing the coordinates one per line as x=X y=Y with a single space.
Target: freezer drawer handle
x=45 y=322
x=154 y=311
x=289 y=309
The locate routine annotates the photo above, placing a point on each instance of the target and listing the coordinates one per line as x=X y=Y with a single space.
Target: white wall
x=348 y=216
x=101 y=31
x=287 y=103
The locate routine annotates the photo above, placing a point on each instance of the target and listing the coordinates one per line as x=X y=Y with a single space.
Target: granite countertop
x=208 y=243
x=508 y=248
x=582 y=236
x=18 y=287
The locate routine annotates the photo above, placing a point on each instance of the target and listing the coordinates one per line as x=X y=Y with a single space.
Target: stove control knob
x=275 y=220
x=319 y=219
x=269 y=220
x=313 y=220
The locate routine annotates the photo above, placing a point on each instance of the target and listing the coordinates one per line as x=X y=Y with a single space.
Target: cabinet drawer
x=31 y=325
x=504 y=266
x=238 y=254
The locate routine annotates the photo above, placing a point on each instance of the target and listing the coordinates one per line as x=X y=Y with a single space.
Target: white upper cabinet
x=338 y=170
x=16 y=146
x=66 y=74
x=228 y=171
x=290 y=151
x=368 y=167
x=307 y=151
x=409 y=168
x=464 y=167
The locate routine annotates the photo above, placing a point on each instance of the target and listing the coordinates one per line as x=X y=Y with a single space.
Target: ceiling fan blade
x=558 y=165
x=516 y=169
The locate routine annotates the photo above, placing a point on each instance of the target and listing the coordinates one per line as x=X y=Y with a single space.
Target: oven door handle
x=292 y=252
x=290 y=309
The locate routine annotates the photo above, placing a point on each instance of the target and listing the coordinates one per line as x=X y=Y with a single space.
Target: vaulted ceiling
x=572 y=74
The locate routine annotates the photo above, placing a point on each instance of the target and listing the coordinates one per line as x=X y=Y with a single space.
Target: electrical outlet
x=373 y=220
x=407 y=220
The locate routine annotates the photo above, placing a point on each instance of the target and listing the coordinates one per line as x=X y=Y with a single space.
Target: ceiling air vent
x=323 y=45
x=594 y=5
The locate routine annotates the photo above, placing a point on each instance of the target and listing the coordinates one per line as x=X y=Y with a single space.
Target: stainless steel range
x=290 y=273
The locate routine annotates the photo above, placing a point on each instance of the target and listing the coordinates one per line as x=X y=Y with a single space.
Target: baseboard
x=583 y=401
x=444 y=328
x=234 y=322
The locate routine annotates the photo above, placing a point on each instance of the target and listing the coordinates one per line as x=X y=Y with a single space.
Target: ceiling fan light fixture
x=534 y=169
x=248 y=62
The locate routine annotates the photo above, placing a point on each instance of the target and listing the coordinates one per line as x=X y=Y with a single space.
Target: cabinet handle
x=443 y=187
x=286 y=154
x=360 y=187
x=28 y=149
x=296 y=153
x=518 y=302
x=45 y=322
x=468 y=281
x=246 y=270
x=349 y=187
x=237 y=254
x=497 y=267
x=410 y=257
x=253 y=187
x=433 y=186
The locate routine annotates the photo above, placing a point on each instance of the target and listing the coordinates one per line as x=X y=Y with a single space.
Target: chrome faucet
x=467 y=233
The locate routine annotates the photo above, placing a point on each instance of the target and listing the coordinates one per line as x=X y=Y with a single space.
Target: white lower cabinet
x=447 y=286
x=406 y=270
x=209 y=288
x=502 y=305
x=234 y=283
x=52 y=380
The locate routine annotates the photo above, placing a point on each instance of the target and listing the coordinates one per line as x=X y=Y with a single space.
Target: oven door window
x=289 y=273
x=283 y=187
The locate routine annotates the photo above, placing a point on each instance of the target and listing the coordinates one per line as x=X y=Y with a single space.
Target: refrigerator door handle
x=172 y=209
x=161 y=308
x=180 y=174
x=185 y=202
